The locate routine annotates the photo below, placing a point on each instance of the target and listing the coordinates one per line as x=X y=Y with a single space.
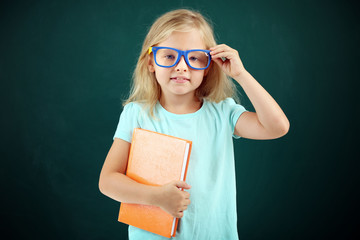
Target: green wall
x=66 y=66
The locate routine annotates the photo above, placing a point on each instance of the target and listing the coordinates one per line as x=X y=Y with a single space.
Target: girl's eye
x=193 y=58
x=169 y=56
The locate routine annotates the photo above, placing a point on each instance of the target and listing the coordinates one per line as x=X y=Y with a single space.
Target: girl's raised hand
x=232 y=65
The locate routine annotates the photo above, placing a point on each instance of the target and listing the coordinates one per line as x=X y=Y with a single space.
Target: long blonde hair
x=215 y=87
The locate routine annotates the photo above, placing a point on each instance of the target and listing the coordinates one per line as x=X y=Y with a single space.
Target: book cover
x=154 y=159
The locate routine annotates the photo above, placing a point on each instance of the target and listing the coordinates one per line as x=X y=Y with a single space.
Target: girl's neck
x=181 y=105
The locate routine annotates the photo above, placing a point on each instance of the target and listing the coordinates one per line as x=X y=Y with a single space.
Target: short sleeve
x=233 y=110
x=127 y=122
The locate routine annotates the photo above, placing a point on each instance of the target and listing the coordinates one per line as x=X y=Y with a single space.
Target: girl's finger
x=220 y=48
x=218 y=61
x=217 y=50
x=228 y=55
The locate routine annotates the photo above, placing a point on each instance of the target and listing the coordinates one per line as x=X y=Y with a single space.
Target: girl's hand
x=171 y=199
x=232 y=65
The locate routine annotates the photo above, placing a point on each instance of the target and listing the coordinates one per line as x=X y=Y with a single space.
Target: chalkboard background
x=66 y=67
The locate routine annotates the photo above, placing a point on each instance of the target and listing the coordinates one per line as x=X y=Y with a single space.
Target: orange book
x=154 y=159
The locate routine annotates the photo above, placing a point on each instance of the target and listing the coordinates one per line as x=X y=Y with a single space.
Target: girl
x=181 y=89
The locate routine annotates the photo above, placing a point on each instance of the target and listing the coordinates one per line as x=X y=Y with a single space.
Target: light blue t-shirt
x=211 y=170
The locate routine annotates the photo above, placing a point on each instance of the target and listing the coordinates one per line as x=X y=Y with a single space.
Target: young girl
x=181 y=89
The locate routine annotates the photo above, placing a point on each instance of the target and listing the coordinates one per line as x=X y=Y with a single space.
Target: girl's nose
x=182 y=65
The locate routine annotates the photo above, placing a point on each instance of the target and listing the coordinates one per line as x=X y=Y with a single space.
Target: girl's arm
x=115 y=184
x=269 y=121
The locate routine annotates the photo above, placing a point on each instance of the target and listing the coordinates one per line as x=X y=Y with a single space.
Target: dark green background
x=66 y=66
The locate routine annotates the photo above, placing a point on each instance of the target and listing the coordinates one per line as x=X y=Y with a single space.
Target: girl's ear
x=151 y=64
x=207 y=70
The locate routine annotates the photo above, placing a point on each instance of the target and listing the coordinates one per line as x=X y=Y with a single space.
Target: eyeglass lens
x=196 y=59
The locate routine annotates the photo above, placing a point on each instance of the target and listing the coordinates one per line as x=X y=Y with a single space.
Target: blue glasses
x=167 y=57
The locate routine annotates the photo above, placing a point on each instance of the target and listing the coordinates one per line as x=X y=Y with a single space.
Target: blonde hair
x=215 y=87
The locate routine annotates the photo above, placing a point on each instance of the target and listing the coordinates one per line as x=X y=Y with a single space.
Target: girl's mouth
x=179 y=79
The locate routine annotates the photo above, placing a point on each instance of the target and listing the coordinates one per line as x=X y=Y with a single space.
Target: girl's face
x=180 y=80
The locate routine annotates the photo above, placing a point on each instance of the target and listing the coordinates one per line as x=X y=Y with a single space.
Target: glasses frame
x=180 y=53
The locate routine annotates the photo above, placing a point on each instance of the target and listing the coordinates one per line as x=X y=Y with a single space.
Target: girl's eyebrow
x=185 y=49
